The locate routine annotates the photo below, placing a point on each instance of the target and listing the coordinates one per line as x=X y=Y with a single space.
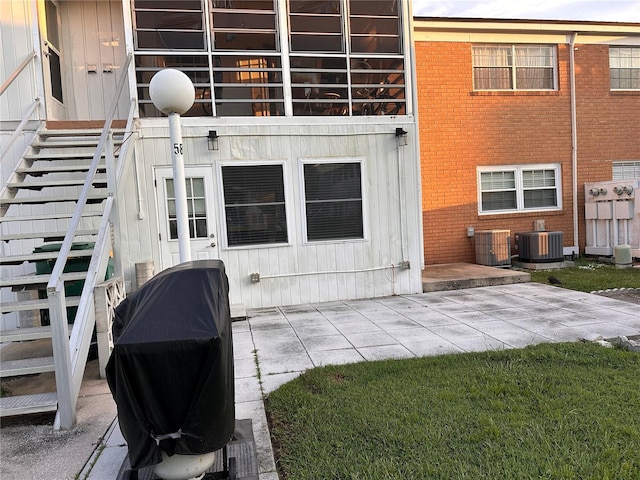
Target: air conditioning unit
x=493 y=247
x=540 y=247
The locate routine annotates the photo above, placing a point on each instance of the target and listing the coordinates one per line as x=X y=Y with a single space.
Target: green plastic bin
x=71 y=289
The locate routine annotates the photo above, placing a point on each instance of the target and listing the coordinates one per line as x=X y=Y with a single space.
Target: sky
x=592 y=10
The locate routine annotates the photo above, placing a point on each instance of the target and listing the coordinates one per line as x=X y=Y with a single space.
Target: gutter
x=574 y=143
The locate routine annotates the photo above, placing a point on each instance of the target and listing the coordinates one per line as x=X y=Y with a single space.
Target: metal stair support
x=70 y=345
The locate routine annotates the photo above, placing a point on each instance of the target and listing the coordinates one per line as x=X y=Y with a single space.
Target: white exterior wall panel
x=299 y=272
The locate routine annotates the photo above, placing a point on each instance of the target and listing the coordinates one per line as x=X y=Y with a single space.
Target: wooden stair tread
x=58 y=169
x=40 y=200
x=27 y=404
x=26 y=366
x=37 y=185
x=49 y=216
x=22 y=334
x=46 y=236
x=38 y=256
x=43 y=279
x=36 y=304
x=60 y=156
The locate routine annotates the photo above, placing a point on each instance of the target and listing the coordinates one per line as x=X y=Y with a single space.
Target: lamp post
x=172 y=92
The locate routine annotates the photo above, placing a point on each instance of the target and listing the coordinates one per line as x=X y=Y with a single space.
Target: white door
x=200 y=204
x=52 y=60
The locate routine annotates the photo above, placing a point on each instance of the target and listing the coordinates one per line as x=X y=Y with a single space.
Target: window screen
x=333 y=201
x=254 y=205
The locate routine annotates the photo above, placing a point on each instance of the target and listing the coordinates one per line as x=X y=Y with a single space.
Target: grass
x=588 y=276
x=552 y=411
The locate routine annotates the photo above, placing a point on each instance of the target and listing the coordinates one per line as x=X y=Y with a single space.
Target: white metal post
x=66 y=416
x=179 y=187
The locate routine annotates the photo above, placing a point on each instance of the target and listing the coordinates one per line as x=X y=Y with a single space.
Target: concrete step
x=455 y=276
x=28 y=404
x=23 y=334
x=27 y=366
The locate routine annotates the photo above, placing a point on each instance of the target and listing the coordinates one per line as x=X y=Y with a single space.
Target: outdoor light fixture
x=401 y=134
x=212 y=139
x=173 y=93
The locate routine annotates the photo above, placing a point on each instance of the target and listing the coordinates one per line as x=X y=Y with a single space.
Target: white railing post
x=107 y=296
x=111 y=165
x=66 y=416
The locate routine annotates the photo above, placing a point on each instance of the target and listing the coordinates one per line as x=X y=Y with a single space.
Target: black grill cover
x=171 y=369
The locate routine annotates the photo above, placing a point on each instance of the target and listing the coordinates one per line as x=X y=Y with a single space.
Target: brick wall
x=461 y=129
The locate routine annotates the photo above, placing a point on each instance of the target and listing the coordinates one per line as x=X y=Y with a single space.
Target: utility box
x=540 y=247
x=493 y=248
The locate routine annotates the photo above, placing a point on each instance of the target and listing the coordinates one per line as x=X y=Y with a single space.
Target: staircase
x=36 y=207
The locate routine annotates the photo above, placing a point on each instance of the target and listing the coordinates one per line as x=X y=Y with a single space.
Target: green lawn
x=552 y=411
x=587 y=276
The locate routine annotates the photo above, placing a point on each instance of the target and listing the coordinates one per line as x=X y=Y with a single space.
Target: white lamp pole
x=172 y=92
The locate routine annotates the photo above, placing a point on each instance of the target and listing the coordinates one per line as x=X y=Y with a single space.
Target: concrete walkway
x=289 y=340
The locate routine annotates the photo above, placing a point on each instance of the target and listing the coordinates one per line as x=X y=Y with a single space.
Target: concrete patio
x=502 y=311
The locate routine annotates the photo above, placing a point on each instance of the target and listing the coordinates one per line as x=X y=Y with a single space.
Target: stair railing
x=32 y=108
x=70 y=352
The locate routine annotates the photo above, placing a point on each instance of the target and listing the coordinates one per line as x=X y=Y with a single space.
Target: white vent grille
x=493 y=248
x=540 y=247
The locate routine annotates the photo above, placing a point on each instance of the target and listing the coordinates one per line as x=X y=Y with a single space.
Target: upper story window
x=169 y=25
x=345 y=57
x=519 y=188
x=514 y=67
x=624 y=68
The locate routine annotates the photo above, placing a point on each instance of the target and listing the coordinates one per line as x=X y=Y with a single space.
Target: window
x=514 y=67
x=254 y=205
x=624 y=68
x=333 y=201
x=516 y=189
x=626 y=170
x=196 y=208
x=346 y=57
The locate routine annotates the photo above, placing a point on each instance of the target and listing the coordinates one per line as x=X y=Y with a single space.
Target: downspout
x=574 y=142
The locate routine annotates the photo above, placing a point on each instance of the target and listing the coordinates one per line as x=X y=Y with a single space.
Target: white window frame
x=632 y=63
x=519 y=188
x=303 y=201
x=513 y=68
x=625 y=170
x=224 y=242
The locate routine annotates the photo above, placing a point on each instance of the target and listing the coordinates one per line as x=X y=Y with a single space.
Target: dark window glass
x=333 y=201
x=254 y=205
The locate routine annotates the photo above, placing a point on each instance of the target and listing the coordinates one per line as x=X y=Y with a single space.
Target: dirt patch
x=631 y=295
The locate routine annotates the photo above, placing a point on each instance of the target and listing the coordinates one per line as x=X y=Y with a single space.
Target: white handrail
x=30 y=110
x=73 y=356
x=17 y=72
x=20 y=127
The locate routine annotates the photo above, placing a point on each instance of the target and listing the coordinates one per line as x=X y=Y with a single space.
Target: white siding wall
x=291 y=142
x=94 y=37
x=17 y=44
